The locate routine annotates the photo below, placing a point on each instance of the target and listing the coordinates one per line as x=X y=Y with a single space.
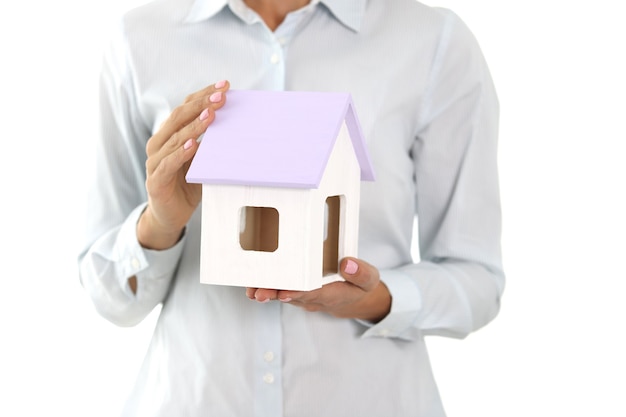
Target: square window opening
x=258 y=229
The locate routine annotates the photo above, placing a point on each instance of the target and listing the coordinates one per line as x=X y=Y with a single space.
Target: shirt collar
x=350 y=13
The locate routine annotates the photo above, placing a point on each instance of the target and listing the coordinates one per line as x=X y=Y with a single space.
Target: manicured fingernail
x=204 y=114
x=285 y=300
x=351 y=267
x=216 y=97
x=220 y=84
x=188 y=144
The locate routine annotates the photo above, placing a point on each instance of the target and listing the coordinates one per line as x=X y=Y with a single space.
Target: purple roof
x=276 y=139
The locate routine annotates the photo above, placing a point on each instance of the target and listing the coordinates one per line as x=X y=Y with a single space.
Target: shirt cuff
x=135 y=260
x=406 y=304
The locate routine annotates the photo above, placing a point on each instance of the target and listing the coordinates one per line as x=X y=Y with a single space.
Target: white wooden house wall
x=297 y=262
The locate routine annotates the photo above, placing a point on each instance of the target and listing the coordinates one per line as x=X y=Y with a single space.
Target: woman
x=429 y=113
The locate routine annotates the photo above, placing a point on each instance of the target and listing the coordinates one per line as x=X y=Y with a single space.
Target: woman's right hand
x=171 y=200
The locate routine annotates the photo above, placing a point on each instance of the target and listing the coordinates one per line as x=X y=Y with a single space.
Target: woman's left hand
x=361 y=296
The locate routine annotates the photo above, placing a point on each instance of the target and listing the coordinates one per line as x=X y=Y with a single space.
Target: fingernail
x=204 y=114
x=351 y=267
x=220 y=84
x=188 y=144
x=267 y=300
x=285 y=300
x=216 y=97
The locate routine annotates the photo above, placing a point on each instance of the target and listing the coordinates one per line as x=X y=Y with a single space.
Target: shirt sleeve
x=113 y=259
x=456 y=286
x=110 y=253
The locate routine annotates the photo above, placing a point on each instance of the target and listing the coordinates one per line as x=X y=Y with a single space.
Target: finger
x=360 y=273
x=250 y=292
x=210 y=97
x=169 y=166
x=178 y=140
x=264 y=295
x=223 y=86
x=288 y=296
x=193 y=129
x=190 y=116
x=302 y=297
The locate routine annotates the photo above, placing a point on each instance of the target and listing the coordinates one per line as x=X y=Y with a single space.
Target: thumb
x=360 y=273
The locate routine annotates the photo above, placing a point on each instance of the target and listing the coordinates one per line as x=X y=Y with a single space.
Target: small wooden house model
x=280 y=175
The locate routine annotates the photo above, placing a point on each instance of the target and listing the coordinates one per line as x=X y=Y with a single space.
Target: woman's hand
x=171 y=200
x=361 y=296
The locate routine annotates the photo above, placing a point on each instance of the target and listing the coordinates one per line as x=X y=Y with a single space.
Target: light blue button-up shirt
x=429 y=113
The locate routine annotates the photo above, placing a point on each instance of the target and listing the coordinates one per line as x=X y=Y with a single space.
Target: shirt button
x=268 y=378
x=134 y=263
x=268 y=356
x=282 y=40
x=275 y=59
x=384 y=332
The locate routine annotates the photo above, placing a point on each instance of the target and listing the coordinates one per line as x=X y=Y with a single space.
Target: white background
x=556 y=349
